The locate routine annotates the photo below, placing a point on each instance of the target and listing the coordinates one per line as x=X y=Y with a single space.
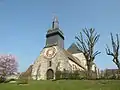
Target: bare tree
x=115 y=52
x=86 y=45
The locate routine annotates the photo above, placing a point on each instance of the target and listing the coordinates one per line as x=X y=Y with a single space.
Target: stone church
x=53 y=56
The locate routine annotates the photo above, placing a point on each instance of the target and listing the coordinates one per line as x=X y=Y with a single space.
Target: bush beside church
x=75 y=75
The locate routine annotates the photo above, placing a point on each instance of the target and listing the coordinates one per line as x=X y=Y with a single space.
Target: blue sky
x=23 y=25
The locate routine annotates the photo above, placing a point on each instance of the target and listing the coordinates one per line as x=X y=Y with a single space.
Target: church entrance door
x=50 y=74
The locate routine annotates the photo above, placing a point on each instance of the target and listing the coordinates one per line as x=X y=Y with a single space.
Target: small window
x=50 y=63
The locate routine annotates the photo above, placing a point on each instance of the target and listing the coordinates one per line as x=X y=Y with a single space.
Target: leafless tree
x=115 y=52
x=86 y=42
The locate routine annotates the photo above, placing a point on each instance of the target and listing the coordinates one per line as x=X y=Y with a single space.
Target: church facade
x=54 y=57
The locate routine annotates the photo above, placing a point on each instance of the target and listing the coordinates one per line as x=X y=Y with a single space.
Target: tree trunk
x=118 y=65
x=89 y=71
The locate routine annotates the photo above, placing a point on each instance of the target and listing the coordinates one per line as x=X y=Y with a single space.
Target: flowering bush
x=8 y=65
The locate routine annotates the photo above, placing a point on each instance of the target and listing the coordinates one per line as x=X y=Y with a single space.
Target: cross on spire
x=55 y=23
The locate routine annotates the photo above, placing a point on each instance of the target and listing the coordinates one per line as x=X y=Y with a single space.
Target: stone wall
x=41 y=65
x=59 y=61
x=82 y=59
x=74 y=66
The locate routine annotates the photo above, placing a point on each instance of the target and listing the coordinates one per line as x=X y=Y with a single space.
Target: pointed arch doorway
x=50 y=74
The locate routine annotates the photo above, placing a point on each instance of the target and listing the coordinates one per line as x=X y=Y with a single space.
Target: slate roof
x=73 y=49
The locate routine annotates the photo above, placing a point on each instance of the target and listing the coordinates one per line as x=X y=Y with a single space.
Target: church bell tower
x=54 y=35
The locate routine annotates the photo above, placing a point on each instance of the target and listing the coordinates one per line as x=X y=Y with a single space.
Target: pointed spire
x=55 y=23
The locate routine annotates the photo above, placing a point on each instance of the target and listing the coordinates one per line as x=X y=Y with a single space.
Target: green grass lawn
x=65 y=85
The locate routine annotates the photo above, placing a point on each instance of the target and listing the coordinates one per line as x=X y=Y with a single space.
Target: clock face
x=50 y=53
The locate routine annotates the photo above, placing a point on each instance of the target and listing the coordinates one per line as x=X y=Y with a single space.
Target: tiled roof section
x=73 y=49
x=74 y=59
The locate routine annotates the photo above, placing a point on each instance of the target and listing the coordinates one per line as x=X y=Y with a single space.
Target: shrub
x=2 y=79
x=58 y=75
x=7 y=81
x=22 y=81
x=76 y=75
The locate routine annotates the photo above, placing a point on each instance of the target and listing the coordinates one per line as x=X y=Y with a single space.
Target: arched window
x=50 y=63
